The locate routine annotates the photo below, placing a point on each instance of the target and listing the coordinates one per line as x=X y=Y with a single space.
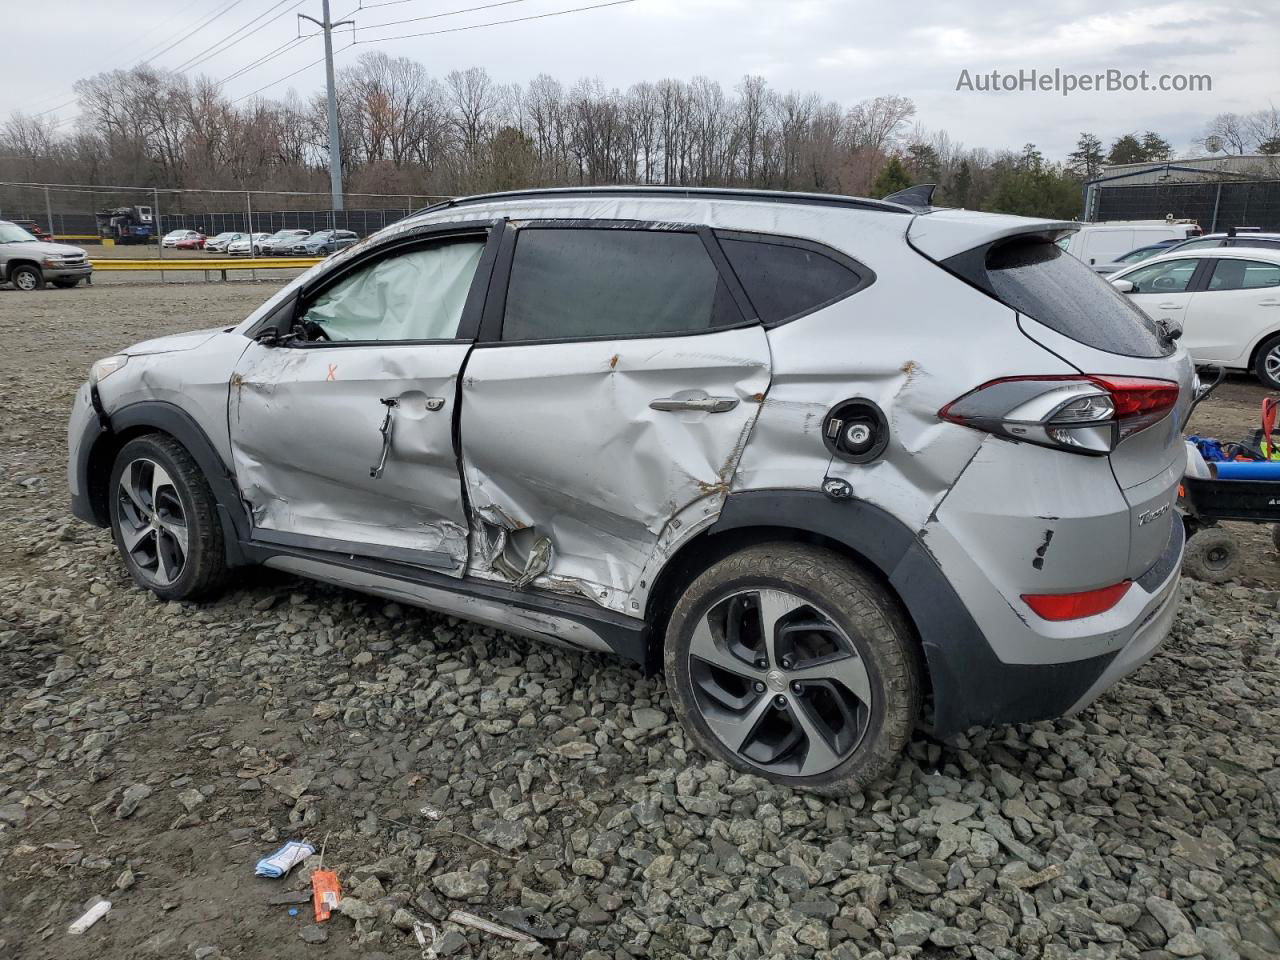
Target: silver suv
x=839 y=466
x=28 y=263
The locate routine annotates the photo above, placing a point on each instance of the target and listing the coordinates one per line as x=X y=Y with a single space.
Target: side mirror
x=1124 y=286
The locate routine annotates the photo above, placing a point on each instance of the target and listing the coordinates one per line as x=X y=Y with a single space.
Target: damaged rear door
x=606 y=405
x=343 y=429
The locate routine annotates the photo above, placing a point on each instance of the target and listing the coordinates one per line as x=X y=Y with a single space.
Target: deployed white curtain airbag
x=413 y=296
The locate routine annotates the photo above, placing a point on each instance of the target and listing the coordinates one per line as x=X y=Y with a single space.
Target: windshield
x=322 y=235
x=281 y=234
x=12 y=233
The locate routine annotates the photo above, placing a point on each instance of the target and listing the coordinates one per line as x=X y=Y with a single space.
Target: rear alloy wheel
x=26 y=278
x=789 y=662
x=164 y=519
x=1267 y=366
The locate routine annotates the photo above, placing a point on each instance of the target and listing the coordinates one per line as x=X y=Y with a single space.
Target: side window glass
x=569 y=283
x=1170 y=277
x=1244 y=275
x=418 y=295
x=784 y=281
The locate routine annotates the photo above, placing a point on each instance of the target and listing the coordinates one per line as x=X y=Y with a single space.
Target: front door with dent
x=343 y=435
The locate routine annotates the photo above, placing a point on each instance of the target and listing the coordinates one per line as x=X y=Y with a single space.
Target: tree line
x=404 y=131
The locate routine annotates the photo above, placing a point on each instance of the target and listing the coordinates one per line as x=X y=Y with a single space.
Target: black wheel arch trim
x=162 y=416
x=971 y=686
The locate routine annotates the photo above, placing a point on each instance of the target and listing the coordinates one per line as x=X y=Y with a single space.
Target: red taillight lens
x=1085 y=414
x=1073 y=606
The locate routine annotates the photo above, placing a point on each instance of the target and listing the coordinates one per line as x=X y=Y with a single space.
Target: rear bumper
x=974 y=687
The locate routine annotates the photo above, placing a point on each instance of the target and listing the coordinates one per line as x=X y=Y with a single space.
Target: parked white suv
x=1225 y=300
x=839 y=466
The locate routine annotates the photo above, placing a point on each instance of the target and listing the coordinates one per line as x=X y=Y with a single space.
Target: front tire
x=164 y=519
x=789 y=662
x=26 y=278
x=1267 y=365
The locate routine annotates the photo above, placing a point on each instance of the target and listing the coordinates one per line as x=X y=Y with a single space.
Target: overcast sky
x=845 y=51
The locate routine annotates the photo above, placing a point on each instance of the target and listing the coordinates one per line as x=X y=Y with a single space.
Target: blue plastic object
x=1210 y=449
x=1248 y=470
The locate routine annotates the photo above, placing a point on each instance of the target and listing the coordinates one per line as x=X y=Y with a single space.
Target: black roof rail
x=693 y=193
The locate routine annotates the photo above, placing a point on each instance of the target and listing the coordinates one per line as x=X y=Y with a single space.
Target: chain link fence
x=1215 y=206
x=82 y=213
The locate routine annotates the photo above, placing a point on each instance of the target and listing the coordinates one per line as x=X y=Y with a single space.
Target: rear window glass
x=569 y=283
x=1037 y=279
x=784 y=281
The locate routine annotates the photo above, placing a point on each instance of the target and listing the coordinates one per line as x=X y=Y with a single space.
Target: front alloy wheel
x=164 y=518
x=153 y=526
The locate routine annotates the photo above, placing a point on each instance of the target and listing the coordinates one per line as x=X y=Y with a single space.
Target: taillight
x=1086 y=414
x=1074 y=606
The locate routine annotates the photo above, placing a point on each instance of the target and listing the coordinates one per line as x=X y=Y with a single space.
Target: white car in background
x=1101 y=245
x=280 y=243
x=246 y=245
x=1225 y=299
x=219 y=243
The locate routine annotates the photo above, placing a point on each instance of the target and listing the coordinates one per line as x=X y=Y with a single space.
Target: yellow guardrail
x=213 y=263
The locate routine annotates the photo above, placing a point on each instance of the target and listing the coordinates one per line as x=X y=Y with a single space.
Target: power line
x=197 y=28
x=148 y=56
x=267 y=57
x=155 y=27
x=218 y=48
x=292 y=74
x=493 y=23
x=436 y=16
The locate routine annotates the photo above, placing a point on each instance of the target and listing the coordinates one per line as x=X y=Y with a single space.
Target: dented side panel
x=573 y=476
x=310 y=426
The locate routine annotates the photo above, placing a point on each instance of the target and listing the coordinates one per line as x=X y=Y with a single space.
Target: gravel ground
x=151 y=753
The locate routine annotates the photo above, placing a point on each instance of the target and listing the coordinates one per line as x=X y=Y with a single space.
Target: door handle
x=388 y=425
x=695 y=400
x=1170 y=306
x=1269 y=303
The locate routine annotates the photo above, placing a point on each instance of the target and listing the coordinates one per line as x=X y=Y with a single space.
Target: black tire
x=66 y=284
x=832 y=590
x=26 y=277
x=1266 y=365
x=1211 y=555
x=203 y=569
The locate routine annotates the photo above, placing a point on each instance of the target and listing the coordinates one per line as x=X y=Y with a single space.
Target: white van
x=1101 y=245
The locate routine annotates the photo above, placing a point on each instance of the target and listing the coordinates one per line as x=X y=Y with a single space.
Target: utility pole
x=335 y=151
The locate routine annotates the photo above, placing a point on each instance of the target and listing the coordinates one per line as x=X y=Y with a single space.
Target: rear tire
x=165 y=521
x=1211 y=555
x=826 y=699
x=1266 y=367
x=26 y=278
